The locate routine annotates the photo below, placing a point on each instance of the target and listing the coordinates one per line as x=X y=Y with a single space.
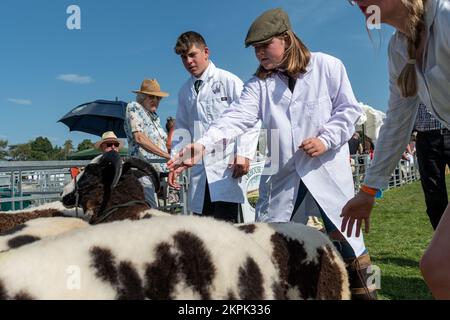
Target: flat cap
x=268 y=25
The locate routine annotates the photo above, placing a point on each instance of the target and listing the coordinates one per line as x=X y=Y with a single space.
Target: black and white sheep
x=307 y=261
x=37 y=229
x=181 y=257
x=172 y=258
x=304 y=261
x=108 y=189
x=93 y=185
x=11 y=219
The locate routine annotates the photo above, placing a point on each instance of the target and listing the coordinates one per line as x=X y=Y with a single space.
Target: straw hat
x=108 y=136
x=151 y=87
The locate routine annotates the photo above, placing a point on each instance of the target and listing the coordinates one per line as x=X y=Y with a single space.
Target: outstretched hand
x=186 y=158
x=357 y=210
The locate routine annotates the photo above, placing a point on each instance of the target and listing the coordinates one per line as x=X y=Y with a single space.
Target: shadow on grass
x=404 y=288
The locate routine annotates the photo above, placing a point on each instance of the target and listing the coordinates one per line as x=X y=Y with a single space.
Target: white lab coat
x=434 y=91
x=194 y=115
x=322 y=105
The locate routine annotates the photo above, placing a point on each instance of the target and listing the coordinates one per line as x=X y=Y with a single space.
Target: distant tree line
x=40 y=149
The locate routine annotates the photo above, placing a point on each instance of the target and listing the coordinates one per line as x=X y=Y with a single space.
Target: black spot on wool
x=196 y=262
x=162 y=275
x=250 y=281
x=19 y=241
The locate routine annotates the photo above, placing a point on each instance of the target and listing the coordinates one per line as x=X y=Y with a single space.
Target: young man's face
x=195 y=60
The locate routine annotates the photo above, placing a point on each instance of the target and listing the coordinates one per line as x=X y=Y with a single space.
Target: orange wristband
x=368 y=190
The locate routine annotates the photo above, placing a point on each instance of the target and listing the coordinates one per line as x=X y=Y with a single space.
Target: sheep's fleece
x=177 y=257
x=37 y=229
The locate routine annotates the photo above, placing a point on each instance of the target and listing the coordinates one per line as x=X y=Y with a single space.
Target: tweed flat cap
x=268 y=25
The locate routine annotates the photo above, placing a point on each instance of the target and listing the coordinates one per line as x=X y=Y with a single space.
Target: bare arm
x=143 y=141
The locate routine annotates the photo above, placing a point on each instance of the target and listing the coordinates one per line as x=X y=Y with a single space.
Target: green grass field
x=400 y=232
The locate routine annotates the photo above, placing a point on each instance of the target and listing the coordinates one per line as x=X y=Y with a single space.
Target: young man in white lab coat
x=214 y=188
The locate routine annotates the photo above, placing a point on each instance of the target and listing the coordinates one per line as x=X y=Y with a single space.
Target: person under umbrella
x=146 y=137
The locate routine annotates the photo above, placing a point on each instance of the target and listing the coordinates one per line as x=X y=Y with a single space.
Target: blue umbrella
x=97 y=117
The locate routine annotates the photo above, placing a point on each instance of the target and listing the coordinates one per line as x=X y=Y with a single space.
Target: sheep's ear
x=111 y=166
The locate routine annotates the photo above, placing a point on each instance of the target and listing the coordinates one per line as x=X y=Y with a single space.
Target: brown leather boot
x=358 y=278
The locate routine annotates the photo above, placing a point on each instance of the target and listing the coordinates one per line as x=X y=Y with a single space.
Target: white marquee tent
x=370 y=122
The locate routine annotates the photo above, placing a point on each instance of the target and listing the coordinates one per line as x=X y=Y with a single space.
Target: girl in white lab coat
x=419 y=70
x=307 y=100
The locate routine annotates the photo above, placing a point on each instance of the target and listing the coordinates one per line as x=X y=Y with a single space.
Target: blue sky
x=47 y=69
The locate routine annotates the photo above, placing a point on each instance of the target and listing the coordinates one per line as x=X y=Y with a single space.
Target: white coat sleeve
x=242 y=116
x=181 y=135
x=248 y=142
x=345 y=110
x=396 y=130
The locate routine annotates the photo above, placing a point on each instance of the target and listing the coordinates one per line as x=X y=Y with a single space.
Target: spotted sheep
x=177 y=257
x=183 y=257
x=11 y=219
x=37 y=229
x=307 y=261
x=108 y=188
x=171 y=257
x=94 y=187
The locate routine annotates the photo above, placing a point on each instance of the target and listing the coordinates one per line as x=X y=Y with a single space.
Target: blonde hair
x=407 y=80
x=296 y=57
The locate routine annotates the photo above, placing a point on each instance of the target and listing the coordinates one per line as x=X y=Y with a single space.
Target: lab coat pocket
x=318 y=111
x=215 y=107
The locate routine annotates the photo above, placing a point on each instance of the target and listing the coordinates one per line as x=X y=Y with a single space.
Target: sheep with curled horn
x=108 y=189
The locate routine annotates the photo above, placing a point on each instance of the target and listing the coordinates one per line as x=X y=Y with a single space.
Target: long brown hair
x=407 y=80
x=296 y=57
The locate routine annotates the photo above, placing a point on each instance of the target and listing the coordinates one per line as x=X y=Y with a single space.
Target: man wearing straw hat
x=109 y=142
x=146 y=138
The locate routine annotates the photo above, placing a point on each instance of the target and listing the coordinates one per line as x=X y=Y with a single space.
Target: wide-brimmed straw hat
x=151 y=87
x=108 y=136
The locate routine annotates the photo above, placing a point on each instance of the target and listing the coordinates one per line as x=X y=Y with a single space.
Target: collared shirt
x=138 y=119
x=425 y=121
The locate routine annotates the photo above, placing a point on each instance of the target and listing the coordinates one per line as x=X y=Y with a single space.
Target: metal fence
x=405 y=172
x=24 y=183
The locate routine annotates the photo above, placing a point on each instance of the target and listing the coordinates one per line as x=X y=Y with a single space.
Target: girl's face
x=270 y=54
x=388 y=8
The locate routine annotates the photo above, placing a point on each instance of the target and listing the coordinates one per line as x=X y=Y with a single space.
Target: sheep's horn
x=113 y=157
x=146 y=168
